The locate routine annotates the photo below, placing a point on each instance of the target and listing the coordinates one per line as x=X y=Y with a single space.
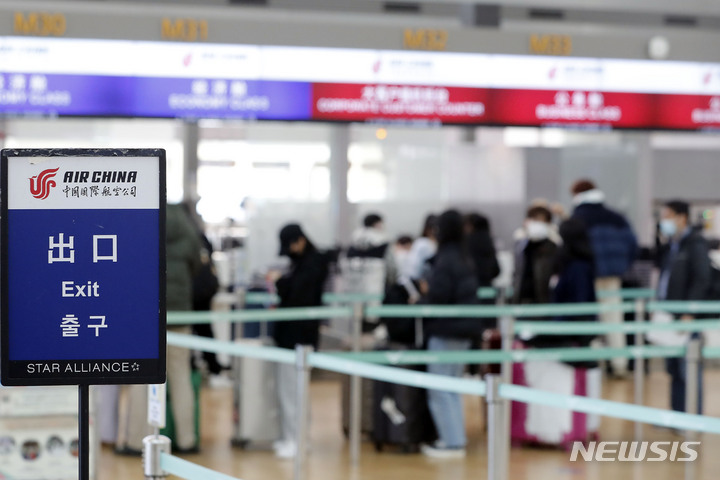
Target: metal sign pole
x=84 y=431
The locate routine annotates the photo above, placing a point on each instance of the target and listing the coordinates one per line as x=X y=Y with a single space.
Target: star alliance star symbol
x=135 y=367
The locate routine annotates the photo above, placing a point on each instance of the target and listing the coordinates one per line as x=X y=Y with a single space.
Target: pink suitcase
x=534 y=424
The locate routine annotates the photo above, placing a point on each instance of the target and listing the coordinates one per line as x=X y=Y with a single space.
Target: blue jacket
x=613 y=241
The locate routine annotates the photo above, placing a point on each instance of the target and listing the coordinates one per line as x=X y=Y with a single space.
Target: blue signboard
x=129 y=96
x=83 y=267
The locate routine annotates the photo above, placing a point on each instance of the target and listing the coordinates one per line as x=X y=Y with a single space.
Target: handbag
x=666 y=338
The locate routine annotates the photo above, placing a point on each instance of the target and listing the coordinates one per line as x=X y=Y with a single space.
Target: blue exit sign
x=83 y=267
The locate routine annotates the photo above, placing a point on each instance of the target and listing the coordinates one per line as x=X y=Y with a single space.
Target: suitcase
x=169 y=430
x=534 y=424
x=366 y=426
x=256 y=412
x=401 y=417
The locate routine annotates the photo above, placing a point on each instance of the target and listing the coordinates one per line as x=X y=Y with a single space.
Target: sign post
x=83 y=270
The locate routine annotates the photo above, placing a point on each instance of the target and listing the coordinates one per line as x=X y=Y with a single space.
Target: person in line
x=615 y=248
x=575 y=270
x=422 y=250
x=205 y=285
x=535 y=249
x=451 y=281
x=370 y=240
x=301 y=286
x=685 y=275
x=183 y=261
x=481 y=248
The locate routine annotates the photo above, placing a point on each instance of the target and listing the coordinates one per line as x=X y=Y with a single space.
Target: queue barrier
x=271 y=315
x=627 y=293
x=448 y=311
x=188 y=470
x=335 y=363
x=494 y=311
x=574 y=354
x=484 y=293
x=394 y=311
x=497 y=393
x=597 y=328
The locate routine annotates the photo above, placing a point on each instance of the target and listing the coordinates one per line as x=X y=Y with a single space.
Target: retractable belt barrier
x=188 y=470
x=597 y=328
x=244 y=316
x=266 y=298
x=333 y=362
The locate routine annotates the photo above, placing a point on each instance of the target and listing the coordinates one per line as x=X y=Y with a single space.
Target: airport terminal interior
x=353 y=160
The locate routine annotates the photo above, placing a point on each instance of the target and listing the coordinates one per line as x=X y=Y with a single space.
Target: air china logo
x=40 y=185
x=579 y=107
x=708 y=115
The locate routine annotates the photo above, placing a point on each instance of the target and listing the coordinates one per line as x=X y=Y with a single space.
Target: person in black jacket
x=301 y=286
x=481 y=248
x=685 y=275
x=535 y=250
x=451 y=281
x=575 y=269
x=614 y=247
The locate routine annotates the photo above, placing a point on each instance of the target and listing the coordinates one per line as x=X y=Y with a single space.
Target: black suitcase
x=401 y=417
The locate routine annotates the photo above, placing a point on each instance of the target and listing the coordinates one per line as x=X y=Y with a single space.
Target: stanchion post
x=153 y=448
x=507 y=330
x=356 y=388
x=639 y=372
x=693 y=357
x=497 y=465
x=302 y=367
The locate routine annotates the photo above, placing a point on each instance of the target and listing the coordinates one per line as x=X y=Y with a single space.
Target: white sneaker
x=438 y=451
x=285 y=449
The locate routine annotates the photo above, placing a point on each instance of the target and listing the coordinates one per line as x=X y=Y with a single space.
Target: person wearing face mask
x=685 y=275
x=535 y=249
x=614 y=248
x=301 y=286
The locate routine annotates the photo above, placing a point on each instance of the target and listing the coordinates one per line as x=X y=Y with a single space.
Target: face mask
x=537 y=230
x=668 y=227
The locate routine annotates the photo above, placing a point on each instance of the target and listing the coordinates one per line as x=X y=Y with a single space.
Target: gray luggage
x=256 y=412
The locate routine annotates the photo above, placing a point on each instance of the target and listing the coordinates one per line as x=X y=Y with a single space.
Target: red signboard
x=361 y=102
x=567 y=107
x=478 y=106
x=688 y=111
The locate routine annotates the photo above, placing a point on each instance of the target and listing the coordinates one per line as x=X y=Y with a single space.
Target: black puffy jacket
x=690 y=270
x=452 y=281
x=302 y=286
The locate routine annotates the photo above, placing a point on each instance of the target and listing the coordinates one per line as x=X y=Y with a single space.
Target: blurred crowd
x=559 y=257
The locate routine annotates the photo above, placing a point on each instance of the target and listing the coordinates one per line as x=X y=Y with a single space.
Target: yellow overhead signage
x=42 y=24
x=550 y=44
x=425 y=39
x=185 y=29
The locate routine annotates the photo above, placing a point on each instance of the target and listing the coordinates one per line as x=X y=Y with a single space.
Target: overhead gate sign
x=83 y=267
